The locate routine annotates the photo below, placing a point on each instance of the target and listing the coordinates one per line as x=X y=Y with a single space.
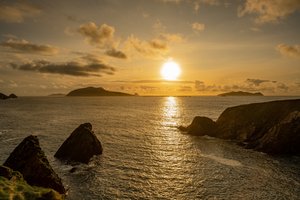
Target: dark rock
x=12 y=96
x=202 y=126
x=80 y=146
x=8 y=173
x=272 y=127
x=3 y=96
x=283 y=137
x=240 y=93
x=29 y=159
x=92 y=91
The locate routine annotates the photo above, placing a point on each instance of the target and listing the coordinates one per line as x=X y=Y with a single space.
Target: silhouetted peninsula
x=271 y=127
x=240 y=93
x=92 y=91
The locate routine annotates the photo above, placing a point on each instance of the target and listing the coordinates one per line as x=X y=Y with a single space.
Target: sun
x=170 y=70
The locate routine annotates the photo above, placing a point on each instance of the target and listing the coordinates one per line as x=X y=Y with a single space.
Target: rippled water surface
x=145 y=156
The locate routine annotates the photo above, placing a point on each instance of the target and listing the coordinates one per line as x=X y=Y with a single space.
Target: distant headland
x=93 y=91
x=240 y=93
x=11 y=96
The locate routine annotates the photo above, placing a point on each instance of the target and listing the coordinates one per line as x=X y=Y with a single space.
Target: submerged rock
x=29 y=159
x=80 y=146
x=272 y=127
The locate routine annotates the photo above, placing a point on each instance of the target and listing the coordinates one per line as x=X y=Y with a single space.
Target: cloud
x=116 y=54
x=196 y=3
x=269 y=11
x=17 y=12
x=145 y=48
x=68 y=68
x=23 y=46
x=154 y=48
x=158 y=44
x=289 y=51
x=256 y=82
x=100 y=36
x=171 y=37
x=198 y=26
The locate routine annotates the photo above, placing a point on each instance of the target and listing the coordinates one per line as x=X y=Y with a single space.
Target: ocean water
x=145 y=156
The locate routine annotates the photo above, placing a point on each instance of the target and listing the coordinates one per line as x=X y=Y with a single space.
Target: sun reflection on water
x=170 y=112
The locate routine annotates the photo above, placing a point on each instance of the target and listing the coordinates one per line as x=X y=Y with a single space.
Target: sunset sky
x=221 y=45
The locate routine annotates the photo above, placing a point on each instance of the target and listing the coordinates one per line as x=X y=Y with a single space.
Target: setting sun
x=170 y=70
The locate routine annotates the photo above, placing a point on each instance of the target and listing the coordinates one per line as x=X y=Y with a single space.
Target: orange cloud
x=269 y=10
x=289 y=51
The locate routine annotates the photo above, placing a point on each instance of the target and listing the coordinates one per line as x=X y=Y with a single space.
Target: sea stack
x=80 y=146
x=29 y=159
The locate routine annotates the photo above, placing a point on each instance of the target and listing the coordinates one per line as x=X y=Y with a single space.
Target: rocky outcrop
x=272 y=127
x=3 y=96
x=29 y=159
x=80 y=146
x=13 y=186
x=201 y=126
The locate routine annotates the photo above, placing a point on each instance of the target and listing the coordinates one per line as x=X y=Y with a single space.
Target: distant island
x=11 y=96
x=92 y=91
x=240 y=93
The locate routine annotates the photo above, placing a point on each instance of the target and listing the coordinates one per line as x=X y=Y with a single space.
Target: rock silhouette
x=93 y=91
x=240 y=93
x=29 y=159
x=272 y=127
x=80 y=146
x=202 y=126
x=3 y=96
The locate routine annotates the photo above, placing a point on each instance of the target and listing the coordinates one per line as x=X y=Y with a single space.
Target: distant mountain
x=92 y=91
x=11 y=96
x=240 y=93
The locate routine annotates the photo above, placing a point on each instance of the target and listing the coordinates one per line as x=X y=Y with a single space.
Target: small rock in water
x=80 y=146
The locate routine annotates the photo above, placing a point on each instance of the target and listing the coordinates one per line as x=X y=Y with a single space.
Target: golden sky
x=221 y=45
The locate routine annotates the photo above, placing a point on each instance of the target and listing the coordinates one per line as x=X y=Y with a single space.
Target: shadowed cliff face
x=272 y=127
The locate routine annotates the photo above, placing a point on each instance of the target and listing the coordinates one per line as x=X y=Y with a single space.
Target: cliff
x=272 y=127
x=92 y=91
x=240 y=93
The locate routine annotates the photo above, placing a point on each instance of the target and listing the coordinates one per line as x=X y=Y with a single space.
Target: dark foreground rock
x=13 y=186
x=29 y=159
x=272 y=127
x=80 y=146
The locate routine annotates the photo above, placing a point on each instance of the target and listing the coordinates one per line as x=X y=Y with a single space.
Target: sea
x=145 y=156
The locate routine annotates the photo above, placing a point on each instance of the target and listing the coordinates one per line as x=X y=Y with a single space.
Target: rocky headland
x=271 y=127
